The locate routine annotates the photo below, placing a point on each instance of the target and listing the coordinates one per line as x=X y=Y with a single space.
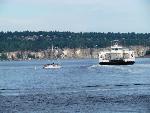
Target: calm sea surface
x=80 y=86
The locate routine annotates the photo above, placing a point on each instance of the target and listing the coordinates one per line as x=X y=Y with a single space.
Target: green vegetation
x=19 y=56
x=147 y=52
x=31 y=56
x=3 y=56
x=35 y=41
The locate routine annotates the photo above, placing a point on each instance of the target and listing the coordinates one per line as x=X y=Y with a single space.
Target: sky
x=75 y=15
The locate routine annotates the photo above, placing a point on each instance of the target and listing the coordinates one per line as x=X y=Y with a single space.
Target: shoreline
x=147 y=56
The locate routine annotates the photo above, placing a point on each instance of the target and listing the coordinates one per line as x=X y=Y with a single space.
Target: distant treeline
x=35 y=41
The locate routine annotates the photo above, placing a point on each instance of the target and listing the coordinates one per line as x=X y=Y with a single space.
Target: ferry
x=117 y=55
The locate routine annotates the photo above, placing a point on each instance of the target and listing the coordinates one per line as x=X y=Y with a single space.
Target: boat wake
x=132 y=69
x=95 y=66
x=110 y=66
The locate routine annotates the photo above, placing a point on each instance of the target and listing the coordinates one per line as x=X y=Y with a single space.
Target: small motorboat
x=51 y=66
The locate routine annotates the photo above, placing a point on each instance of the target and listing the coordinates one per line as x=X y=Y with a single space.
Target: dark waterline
x=80 y=86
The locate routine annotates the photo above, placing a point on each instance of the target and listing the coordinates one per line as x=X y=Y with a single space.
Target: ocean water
x=80 y=86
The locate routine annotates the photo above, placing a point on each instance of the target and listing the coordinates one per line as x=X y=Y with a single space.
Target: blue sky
x=75 y=15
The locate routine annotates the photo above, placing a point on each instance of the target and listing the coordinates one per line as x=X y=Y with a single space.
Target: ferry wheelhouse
x=117 y=55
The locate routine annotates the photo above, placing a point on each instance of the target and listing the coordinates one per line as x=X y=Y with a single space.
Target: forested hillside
x=35 y=41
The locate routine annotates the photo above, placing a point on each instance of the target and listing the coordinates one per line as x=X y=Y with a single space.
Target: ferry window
x=116 y=48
